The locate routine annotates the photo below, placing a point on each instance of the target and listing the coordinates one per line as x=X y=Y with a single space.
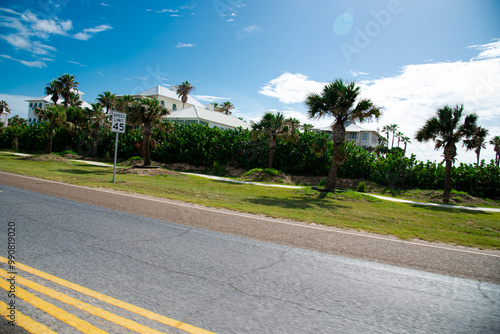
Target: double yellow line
x=85 y=327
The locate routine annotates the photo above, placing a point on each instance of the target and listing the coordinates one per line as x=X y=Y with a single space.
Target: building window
x=31 y=105
x=162 y=103
x=174 y=107
x=352 y=135
x=365 y=136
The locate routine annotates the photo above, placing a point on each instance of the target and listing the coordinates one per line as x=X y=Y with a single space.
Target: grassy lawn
x=344 y=210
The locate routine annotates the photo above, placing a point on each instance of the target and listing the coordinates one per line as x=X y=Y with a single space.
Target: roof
x=164 y=91
x=350 y=128
x=197 y=113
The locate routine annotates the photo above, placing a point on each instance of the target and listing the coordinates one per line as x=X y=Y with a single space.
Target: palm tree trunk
x=478 y=153
x=447 y=182
x=49 y=145
x=94 y=146
x=145 y=150
x=272 y=145
x=332 y=176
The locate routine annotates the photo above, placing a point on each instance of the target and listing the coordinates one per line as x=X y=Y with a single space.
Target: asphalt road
x=169 y=258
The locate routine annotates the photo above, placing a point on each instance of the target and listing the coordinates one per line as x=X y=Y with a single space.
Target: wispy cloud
x=291 y=88
x=89 y=32
x=99 y=72
x=185 y=45
x=168 y=11
x=76 y=63
x=211 y=99
x=37 y=63
x=248 y=31
x=104 y=4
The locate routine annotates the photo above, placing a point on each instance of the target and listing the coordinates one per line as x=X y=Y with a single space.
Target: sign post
x=118 y=120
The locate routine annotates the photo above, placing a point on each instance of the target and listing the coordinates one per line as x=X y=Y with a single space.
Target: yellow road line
x=82 y=325
x=124 y=322
x=26 y=322
x=110 y=300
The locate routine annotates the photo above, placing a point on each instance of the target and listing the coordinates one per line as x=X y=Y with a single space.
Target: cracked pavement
x=247 y=279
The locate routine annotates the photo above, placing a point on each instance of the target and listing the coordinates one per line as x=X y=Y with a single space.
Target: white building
x=4 y=116
x=193 y=112
x=167 y=97
x=45 y=101
x=359 y=136
x=206 y=116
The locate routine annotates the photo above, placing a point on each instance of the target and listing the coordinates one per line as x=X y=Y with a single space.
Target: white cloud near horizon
x=291 y=88
x=412 y=96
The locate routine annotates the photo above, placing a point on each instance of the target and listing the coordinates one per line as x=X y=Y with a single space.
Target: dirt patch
x=150 y=171
x=72 y=156
x=46 y=157
x=436 y=196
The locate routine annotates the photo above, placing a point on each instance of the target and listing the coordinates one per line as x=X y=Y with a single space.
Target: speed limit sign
x=118 y=120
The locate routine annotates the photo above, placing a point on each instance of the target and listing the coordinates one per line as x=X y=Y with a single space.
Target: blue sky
x=410 y=57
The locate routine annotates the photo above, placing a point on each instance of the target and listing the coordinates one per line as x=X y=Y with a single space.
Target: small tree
x=96 y=119
x=55 y=116
x=272 y=126
x=477 y=141
x=147 y=113
x=446 y=130
x=225 y=108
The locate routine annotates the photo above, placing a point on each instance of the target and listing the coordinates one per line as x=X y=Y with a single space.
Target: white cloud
x=87 y=33
x=490 y=50
x=37 y=63
x=210 y=99
x=76 y=63
x=291 y=88
x=167 y=11
x=98 y=72
x=185 y=45
x=247 y=31
x=104 y=4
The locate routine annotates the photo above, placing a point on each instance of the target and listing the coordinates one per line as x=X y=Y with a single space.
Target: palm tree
x=96 y=119
x=405 y=140
x=225 y=108
x=477 y=141
x=74 y=122
x=122 y=102
x=495 y=141
x=4 y=107
x=446 y=130
x=183 y=91
x=54 y=89
x=107 y=100
x=400 y=136
x=338 y=100
x=387 y=130
x=148 y=113
x=393 y=128
x=272 y=126
x=68 y=85
x=55 y=116
x=74 y=100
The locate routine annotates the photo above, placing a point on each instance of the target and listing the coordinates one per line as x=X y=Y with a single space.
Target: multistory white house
x=4 y=116
x=45 y=101
x=359 y=136
x=193 y=111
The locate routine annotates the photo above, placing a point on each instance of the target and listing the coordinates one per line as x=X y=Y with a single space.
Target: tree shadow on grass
x=84 y=172
x=297 y=202
x=453 y=209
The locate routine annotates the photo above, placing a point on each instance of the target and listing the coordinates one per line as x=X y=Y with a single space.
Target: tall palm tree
x=54 y=89
x=107 y=100
x=74 y=122
x=446 y=130
x=4 y=107
x=148 y=113
x=68 y=85
x=387 y=130
x=405 y=140
x=122 y=103
x=225 y=108
x=393 y=129
x=477 y=141
x=272 y=126
x=495 y=141
x=55 y=116
x=338 y=100
x=74 y=100
x=400 y=136
x=96 y=119
x=183 y=91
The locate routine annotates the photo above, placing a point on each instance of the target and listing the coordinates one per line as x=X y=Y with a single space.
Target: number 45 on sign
x=118 y=120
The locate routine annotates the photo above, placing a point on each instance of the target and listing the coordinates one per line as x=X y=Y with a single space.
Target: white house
x=361 y=137
x=206 y=116
x=45 y=101
x=167 y=97
x=4 y=116
x=194 y=111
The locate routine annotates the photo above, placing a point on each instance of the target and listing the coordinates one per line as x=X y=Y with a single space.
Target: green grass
x=345 y=210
